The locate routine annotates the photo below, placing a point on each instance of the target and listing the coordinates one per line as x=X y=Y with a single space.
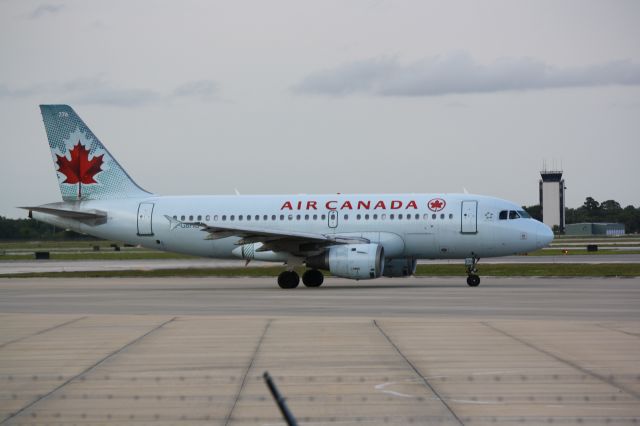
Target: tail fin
x=85 y=169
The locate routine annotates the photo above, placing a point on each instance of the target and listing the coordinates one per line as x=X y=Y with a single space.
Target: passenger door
x=145 y=216
x=332 y=218
x=469 y=217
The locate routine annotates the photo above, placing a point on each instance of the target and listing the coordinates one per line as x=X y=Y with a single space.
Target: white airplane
x=357 y=236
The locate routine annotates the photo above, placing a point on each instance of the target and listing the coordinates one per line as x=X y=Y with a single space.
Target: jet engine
x=354 y=261
x=401 y=267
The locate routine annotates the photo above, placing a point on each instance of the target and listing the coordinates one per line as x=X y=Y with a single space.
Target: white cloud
x=97 y=91
x=459 y=73
x=45 y=9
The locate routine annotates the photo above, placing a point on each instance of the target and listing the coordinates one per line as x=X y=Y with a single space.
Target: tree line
x=29 y=229
x=594 y=211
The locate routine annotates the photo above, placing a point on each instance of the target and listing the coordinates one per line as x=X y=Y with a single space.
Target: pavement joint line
x=571 y=364
x=628 y=333
x=46 y=330
x=85 y=371
x=246 y=372
x=416 y=371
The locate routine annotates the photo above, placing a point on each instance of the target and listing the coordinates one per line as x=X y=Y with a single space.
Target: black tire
x=312 y=278
x=473 y=280
x=288 y=279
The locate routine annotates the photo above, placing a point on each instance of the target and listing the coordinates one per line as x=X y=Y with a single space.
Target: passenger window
x=346 y=217
x=273 y=217
x=513 y=214
x=265 y=217
x=441 y=215
x=383 y=216
x=224 y=217
x=175 y=217
x=190 y=217
x=315 y=217
x=281 y=217
x=208 y=218
x=400 y=216
x=359 y=217
x=433 y=216
x=231 y=218
x=306 y=217
x=290 y=217
x=366 y=217
x=240 y=217
x=417 y=216
x=375 y=217
x=323 y=217
x=450 y=215
x=248 y=217
x=425 y=216
x=391 y=216
x=215 y=218
x=503 y=215
x=298 y=217
x=199 y=217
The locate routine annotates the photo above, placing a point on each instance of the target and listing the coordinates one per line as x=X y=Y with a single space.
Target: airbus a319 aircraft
x=356 y=236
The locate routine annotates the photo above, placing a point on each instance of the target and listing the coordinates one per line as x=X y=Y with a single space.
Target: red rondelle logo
x=436 y=204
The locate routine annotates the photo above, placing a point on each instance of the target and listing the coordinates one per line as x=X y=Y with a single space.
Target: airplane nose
x=544 y=235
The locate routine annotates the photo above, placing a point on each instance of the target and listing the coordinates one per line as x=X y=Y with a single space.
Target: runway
x=405 y=351
x=24 y=266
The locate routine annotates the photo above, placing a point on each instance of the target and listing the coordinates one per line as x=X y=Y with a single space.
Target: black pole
x=282 y=405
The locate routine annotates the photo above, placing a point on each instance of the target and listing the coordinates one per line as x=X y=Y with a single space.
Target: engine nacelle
x=354 y=261
x=402 y=267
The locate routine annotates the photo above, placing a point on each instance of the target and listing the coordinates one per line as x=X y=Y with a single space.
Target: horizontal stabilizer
x=54 y=209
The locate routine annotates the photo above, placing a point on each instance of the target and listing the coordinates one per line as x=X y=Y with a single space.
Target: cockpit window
x=503 y=215
x=513 y=214
x=524 y=214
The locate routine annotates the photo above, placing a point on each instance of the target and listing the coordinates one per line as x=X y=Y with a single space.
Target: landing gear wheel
x=288 y=279
x=312 y=278
x=473 y=280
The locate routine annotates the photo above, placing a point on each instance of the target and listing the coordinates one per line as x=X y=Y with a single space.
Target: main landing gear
x=288 y=279
x=473 y=280
x=291 y=279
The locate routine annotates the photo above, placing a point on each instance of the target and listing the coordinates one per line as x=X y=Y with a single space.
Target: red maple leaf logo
x=79 y=169
x=437 y=204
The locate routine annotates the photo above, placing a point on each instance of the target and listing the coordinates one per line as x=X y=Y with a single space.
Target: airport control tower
x=552 y=198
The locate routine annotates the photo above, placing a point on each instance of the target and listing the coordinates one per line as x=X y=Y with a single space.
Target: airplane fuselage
x=421 y=226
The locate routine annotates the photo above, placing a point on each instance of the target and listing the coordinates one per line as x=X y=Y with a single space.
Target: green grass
x=508 y=270
x=111 y=255
x=579 y=251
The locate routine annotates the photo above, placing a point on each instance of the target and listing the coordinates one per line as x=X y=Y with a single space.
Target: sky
x=209 y=97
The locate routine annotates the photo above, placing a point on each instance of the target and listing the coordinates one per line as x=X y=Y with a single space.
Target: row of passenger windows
x=345 y=216
x=513 y=214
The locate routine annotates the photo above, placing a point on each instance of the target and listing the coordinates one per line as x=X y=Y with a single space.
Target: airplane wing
x=276 y=240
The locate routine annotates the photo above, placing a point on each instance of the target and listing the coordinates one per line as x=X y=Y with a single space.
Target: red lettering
x=412 y=204
x=346 y=205
x=396 y=204
x=311 y=205
x=329 y=205
x=380 y=205
x=364 y=205
x=299 y=205
x=286 y=205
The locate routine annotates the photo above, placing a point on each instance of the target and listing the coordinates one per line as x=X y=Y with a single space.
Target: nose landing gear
x=473 y=280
